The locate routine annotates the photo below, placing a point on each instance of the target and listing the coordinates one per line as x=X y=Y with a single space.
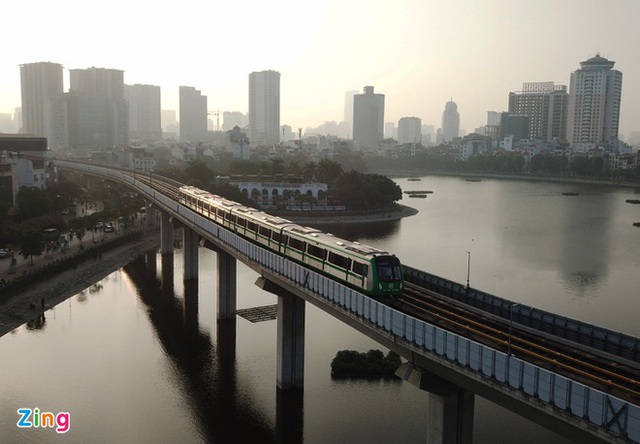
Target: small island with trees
x=373 y=364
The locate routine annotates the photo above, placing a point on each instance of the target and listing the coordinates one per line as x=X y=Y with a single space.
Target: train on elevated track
x=367 y=269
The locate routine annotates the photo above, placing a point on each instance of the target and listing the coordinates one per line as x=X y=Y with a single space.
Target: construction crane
x=217 y=114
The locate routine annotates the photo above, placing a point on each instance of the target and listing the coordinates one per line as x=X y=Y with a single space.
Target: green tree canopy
x=31 y=244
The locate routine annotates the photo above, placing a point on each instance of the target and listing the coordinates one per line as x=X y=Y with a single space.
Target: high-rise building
x=145 y=123
x=193 y=115
x=409 y=130
x=264 y=108
x=515 y=125
x=44 y=111
x=594 y=104
x=450 y=121
x=546 y=104
x=231 y=119
x=348 y=112
x=97 y=108
x=368 y=119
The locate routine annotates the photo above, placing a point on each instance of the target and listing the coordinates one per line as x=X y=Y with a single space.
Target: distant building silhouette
x=44 y=111
x=547 y=106
x=193 y=115
x=231 y=119
x=594 y=104
x=515 y=125
x=98 y=112
x=264 y=108
x=409 y=130
x=348 y=113
x=450 y=121
x=169 y=122
x=145 y=123
x=368 y=119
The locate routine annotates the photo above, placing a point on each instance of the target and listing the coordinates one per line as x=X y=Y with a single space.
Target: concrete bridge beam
x=450 y=418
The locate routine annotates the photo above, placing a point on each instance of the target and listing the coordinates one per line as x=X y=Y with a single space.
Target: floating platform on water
x=259 y=314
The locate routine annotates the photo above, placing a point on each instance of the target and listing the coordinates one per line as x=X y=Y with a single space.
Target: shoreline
x=336 y=218
x=19 y=308
x=576 y=180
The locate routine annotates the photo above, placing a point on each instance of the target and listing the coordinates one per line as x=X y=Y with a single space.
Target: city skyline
x=419 y=53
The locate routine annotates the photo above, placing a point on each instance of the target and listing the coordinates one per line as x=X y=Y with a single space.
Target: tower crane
x=217 y=114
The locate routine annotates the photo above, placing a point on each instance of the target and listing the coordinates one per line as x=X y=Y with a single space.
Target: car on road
x=108 y=228
x=5 y=253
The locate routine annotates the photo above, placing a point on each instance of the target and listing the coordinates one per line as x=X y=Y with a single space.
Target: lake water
x=130 y=362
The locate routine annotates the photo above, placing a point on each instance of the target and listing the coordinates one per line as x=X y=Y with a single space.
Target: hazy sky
x=419 y=53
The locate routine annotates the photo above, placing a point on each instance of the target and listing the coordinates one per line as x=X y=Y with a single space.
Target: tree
x=309 y=171
x=328 y=171
x=31 y=244
x=197 y=173
x=33 y=202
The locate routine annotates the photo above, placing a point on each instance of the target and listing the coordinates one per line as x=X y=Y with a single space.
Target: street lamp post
x=66 y=221
x=510 y=327
x=468 y=266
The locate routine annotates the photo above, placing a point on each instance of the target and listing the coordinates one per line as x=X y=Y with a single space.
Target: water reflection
x=207 y=373
x=354 y=231
x=37 y=323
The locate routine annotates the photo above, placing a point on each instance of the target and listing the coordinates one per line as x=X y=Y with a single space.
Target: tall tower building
x=594 y=104
x=193 y=115
x=547 y=106
x=450 y=121
x=44 y=112
x=348 y=112
x=368 y=119
x=97 y=108
x=409 y=130
x=145 y=122
x=264 y=108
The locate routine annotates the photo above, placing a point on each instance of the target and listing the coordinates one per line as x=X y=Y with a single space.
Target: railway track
x=596 y=371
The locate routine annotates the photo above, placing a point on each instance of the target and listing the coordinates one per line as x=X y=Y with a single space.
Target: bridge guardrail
x=608 y=341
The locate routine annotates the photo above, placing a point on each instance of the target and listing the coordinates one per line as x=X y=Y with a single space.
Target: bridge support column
x=149 y=213
x=166 y=234
x=450 y=417
x=290 y=337
x=190 y=244
x=227 y=276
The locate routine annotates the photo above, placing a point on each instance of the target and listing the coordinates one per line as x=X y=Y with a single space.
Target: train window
x=360 y=268
x=252 y=226
x=297 y=244
x=315 y=251
x=275 y=236
x=231 y=217
x=265 y=232
x=340 y=261
x=241 y=221
x=389 y=269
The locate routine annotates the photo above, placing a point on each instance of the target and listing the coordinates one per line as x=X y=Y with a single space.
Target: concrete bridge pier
x=227 y=294
x=166 y=234
x=450 y=419
x=290 y=337
x=190 y=243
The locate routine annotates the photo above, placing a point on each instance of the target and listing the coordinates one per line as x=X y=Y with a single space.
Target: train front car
x=388 y=281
